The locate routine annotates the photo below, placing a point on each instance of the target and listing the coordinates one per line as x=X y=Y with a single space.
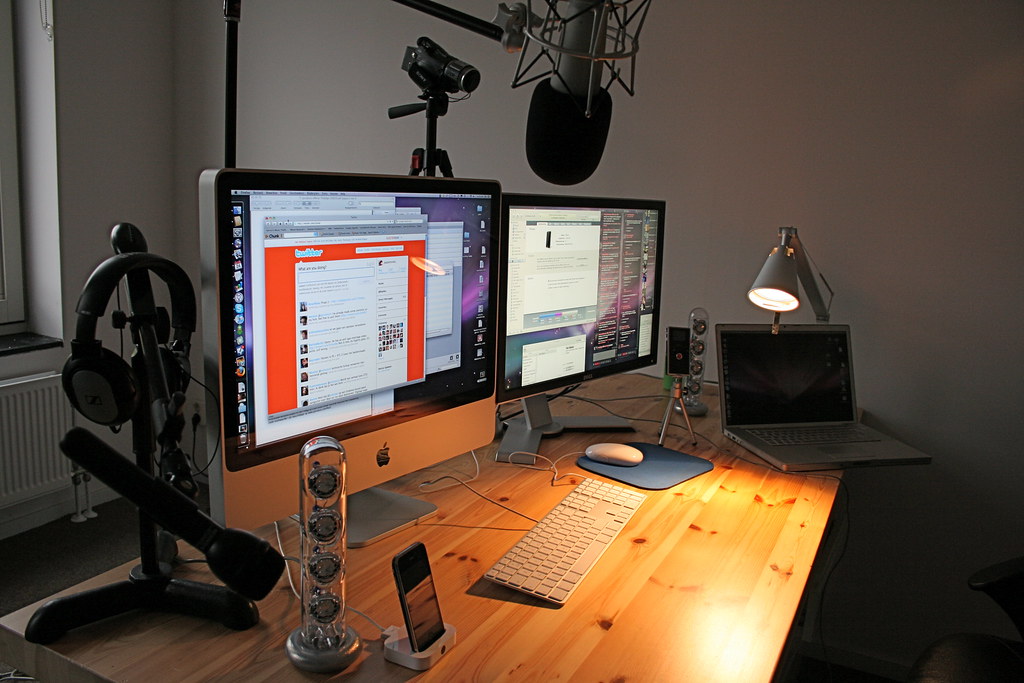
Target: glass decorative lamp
x=323 y=642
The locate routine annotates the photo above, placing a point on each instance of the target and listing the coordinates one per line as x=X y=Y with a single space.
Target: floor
x=58 y=555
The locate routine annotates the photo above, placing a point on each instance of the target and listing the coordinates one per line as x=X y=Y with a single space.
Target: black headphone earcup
x=101 y=386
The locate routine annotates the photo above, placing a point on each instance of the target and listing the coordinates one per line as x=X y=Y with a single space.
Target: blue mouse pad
x=661 y=468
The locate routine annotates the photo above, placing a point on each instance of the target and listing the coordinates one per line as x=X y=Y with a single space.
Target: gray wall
x=890 y=133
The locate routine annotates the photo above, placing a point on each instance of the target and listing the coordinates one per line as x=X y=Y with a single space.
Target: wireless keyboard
x=551 y=560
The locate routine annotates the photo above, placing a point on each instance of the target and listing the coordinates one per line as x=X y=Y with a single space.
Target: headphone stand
x=149 y=585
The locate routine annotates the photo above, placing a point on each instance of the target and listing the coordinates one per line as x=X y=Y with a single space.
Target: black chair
x=976 y=657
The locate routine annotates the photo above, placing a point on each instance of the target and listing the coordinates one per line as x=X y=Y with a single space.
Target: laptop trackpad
x=847 y=452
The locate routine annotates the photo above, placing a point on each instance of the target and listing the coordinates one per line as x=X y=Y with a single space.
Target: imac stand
x=377 y=513
x=524 y=432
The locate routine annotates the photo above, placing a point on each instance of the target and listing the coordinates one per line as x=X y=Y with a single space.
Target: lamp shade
x=775 y=287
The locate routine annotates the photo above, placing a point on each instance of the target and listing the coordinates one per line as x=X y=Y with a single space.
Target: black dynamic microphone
x=247 y=564
x=563 y=144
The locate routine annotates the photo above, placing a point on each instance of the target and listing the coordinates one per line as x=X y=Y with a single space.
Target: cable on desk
x=15 y=675
x=594 y=401
x=476 y=461
x=552 y=464
x=191 y=560
x=465 y=482
x=552 y=467
x=489 y=500
x=288 y=558
x=609 y=399
x=383 y=631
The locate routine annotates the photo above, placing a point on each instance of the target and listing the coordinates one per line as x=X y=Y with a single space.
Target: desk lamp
x=775 y=288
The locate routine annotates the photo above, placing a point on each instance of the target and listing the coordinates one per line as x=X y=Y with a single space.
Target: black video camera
x=430 y=67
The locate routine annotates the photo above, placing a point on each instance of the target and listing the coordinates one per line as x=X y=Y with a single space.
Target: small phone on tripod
x=677 y=365
x=677 y=351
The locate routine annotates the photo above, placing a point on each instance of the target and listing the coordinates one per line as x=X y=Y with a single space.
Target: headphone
x=98 y=382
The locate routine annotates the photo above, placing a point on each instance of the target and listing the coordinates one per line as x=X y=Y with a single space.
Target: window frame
x=12 y=289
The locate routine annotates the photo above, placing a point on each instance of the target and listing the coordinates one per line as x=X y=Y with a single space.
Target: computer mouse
x=615 y=454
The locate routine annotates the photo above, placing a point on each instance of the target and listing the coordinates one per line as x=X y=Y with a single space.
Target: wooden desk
x=702 y=585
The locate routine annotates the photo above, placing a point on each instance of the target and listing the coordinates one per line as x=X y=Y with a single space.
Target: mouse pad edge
x=662 y=468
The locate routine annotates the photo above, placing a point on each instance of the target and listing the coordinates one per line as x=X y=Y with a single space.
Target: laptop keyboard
x=795 y=436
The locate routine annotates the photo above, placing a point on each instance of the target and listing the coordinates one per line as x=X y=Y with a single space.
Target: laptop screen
x=801 y=375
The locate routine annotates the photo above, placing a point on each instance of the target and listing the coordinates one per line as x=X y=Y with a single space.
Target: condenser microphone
x=570 y=112
x=245 y=563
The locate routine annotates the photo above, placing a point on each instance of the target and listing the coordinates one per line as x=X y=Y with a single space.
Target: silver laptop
x=789 y=397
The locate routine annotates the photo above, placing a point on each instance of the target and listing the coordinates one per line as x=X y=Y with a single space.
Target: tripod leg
x=444 y=163
x=416 y=163
x=689 y=425
x=664 y=421
x=676 y=398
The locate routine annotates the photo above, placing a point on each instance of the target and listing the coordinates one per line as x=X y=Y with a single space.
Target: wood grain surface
x=702 y=584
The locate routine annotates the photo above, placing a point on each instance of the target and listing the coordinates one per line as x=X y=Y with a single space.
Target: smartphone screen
x=417 y=596
x=677 y=355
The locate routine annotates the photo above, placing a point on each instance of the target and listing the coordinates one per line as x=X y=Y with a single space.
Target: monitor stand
x=524 y=432
x=376 y=513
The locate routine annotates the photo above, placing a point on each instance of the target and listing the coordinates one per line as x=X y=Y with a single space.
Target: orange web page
x=343 y=320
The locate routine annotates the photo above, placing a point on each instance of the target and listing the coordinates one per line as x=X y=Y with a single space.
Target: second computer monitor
x=580 y=288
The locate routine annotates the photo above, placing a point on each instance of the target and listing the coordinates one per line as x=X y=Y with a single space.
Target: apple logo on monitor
x=383 y=456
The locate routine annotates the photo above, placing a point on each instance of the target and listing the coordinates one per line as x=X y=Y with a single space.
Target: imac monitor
x=580 y=285
x=354 y=306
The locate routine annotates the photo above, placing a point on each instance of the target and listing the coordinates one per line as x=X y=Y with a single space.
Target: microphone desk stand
x=149 y=585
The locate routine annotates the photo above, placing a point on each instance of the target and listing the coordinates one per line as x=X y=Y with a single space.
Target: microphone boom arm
x=460 y=19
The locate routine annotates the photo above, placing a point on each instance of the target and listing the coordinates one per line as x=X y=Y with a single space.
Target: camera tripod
x=427 y=159
x=676 y=398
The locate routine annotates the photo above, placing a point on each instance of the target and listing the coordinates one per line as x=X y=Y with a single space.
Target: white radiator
x=34 y=416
